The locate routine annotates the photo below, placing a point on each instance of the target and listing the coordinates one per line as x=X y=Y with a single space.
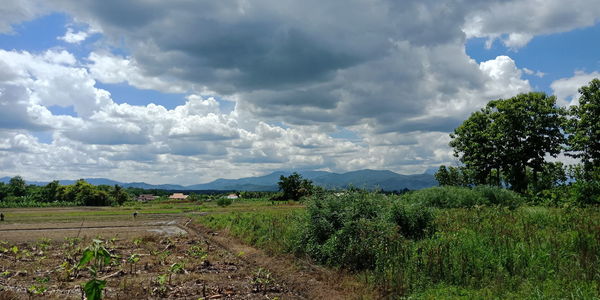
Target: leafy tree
x=451 y=176
x=119 y=195
x=51 y=191
x=87 y=194
x=584 y=128
x=17 y=186
x=527 y=128
x=3 y=191
x=294 y=186
x=474 y=142
x=509 y=136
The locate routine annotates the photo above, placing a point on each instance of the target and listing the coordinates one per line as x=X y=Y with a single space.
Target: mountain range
x=367 y=179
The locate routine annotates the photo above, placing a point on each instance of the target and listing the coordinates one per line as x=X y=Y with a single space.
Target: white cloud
x=566 y=89
x=109 y=68
x=16 y=11
x=516 y=22
x=539 y=74
x=73 y=37
x=393 y=73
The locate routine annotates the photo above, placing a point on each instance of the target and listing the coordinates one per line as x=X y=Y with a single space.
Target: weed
x=198 y=252
x=262 y=280
x=132 y=260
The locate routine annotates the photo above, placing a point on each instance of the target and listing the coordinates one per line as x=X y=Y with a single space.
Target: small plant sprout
x=137 y=241
x=161 y=281
x=175 y=268
x=36 y=289
x=197 y=251
x=132 y=260
x=43 y=244
x=262 y=280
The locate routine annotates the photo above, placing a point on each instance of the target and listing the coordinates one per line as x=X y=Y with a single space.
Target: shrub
x=350 y=230
x=585 y=192
x=223 y=201
x=414 y=220
x=464 y=197
x=494 y=195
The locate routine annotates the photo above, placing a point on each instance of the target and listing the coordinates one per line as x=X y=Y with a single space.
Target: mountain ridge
x=367 y=178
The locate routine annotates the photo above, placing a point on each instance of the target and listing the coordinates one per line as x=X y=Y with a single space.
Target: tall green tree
x=508 y=136
x=583 y=128
x=528 y=128
x=475 y=144
x=51 y=191
x=3 y=191
x=451 y=176
x=17 y=186
x=119 y=195
x=294 y=186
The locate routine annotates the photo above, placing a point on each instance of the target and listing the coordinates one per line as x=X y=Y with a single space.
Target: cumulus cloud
x=393 y=73
x=76 y=37
x=382 y=62
x=15 y=12
x=516 y=22
x=566 y=89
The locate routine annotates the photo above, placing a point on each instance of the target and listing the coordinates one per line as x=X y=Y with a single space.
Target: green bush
x=585 y=192
x=223 y=201
x=464 y=197
x=349 y=230
x=414 y=220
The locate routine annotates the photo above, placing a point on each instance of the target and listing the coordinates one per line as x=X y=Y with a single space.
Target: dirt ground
x=38 y=260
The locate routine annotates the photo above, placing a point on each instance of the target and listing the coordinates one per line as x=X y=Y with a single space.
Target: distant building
x=146 y=197
x=178 y=196
x=232 y=196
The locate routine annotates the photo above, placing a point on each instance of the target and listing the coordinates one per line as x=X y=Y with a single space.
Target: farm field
x=161 y=253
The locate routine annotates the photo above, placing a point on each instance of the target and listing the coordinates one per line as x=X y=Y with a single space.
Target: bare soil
x=37 y=260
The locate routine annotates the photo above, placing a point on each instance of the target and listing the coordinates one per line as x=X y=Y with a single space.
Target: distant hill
x=367 y=179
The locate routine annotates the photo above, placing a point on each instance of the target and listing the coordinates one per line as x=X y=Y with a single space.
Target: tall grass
x=488 y=247
x=274 y=231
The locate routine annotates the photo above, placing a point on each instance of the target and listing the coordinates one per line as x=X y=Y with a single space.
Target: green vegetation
x=444 y=242
x=508 y=142
x=17 y=194
x=294 y=187
x=96 y=256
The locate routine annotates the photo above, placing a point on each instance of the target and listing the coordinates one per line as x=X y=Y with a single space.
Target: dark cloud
x=107 y=134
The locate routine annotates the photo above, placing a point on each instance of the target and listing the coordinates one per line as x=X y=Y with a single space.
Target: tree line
x=509 y=143
x=79 y=193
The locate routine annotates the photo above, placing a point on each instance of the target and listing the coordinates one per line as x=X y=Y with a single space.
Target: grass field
x=482 y=252
x=475 y=253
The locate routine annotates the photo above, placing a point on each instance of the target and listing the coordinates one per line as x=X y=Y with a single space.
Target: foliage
x=584 y=127
x=18 y=194
x=463 y=197
x=119 y=196
x=224 y=201
x=93 y=289
x=452 y=176
x=294 y=187
x=351 y=229
x=475 y=253
x=509 y=136
x=95 y=256
x=414 y=220
x=17 y=186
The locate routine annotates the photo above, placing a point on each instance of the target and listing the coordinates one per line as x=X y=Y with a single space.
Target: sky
x=186 y=92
